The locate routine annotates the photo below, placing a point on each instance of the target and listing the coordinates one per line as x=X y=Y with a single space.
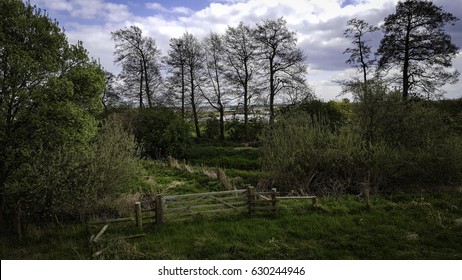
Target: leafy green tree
x=416 y=44
x=50 y=91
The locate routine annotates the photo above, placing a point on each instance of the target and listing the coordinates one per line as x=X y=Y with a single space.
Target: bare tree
x=241 y=56
x=215 y=93
x=360 y=53
x=286 y=67
x=110 y=95
x=177 y=60
x=194 y=66
x=139 y=58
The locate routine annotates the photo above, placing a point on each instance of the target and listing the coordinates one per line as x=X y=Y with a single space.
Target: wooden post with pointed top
x=139 y=218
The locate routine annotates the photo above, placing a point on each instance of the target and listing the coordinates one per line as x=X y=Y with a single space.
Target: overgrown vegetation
x=398 y=226
x=387 y=145
x=64 y=161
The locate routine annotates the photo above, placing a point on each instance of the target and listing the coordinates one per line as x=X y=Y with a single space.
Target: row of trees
x=414 y=53
x=242 y=65
x=394 y=138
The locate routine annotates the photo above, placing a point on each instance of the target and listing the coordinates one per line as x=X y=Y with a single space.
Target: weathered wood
x=133 y=236
x=159 y=210
x=101 y=232
x=295 y=197
x=205 y=206
x=250 y=199
x=110 y=221
x=264 y=208
x=207 y=199
x=203 y=194
x=139 y=218
x=273 y=199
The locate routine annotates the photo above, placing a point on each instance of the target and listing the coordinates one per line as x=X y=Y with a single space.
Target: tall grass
x=399 y=226
x=305 y=155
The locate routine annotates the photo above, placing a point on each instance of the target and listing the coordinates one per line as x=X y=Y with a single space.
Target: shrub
x=411 y=145
x=161 y=132
x=236 y=129
x=67 y=183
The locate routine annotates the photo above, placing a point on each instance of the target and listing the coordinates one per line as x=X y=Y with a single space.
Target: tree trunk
x=272 y=92
x=246 y=111
x=2 y=195
x=182 y=92
x=222 y=122
x=141 y=85
x=193 y=105
x=146 y=84
x=406 y=63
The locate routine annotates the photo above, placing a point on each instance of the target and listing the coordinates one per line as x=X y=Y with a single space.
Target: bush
x=212 y=128
x=67 y=183
x=236 y=130
x=161 y=133
x=409 y=144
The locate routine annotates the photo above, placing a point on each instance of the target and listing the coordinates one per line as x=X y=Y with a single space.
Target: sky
x=319 y=25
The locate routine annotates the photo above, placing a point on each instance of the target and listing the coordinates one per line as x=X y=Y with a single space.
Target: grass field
x=403 y=226
x=417 y=225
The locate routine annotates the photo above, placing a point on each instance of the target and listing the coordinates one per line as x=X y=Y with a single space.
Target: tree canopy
x=50 y=91
x=416 y=43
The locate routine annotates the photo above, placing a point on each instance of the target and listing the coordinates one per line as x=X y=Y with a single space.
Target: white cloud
x=319 y=25
x=175 y=10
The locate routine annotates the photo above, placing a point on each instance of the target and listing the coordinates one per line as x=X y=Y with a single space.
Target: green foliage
x=212 y=128
x=306 y=156
x=224 y=155
x=237 y=132
x=389 y=145
x=329 y=112
x=399 y=226
x=50 y=97
x=69 y=182
x=161 y=132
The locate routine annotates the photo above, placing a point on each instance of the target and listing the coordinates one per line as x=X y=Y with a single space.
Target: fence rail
x=160 y=209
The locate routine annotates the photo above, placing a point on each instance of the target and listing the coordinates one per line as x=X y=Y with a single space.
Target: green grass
x=399 y=226
x=224 y=155
x=403 y=226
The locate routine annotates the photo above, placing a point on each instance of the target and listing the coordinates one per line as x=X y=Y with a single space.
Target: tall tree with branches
x=177 y=61
x=416 y=44
x=285 y=61
x=194 y=66
x=215 y=65
x=138 y=56
x=241 y=52
x=360 y=53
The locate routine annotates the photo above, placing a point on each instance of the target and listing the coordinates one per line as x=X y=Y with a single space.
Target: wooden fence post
x=18 y=222
x=366 y=197
x=159 y=210
x=251 y=198
x=273 y=199
x=139 y=218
